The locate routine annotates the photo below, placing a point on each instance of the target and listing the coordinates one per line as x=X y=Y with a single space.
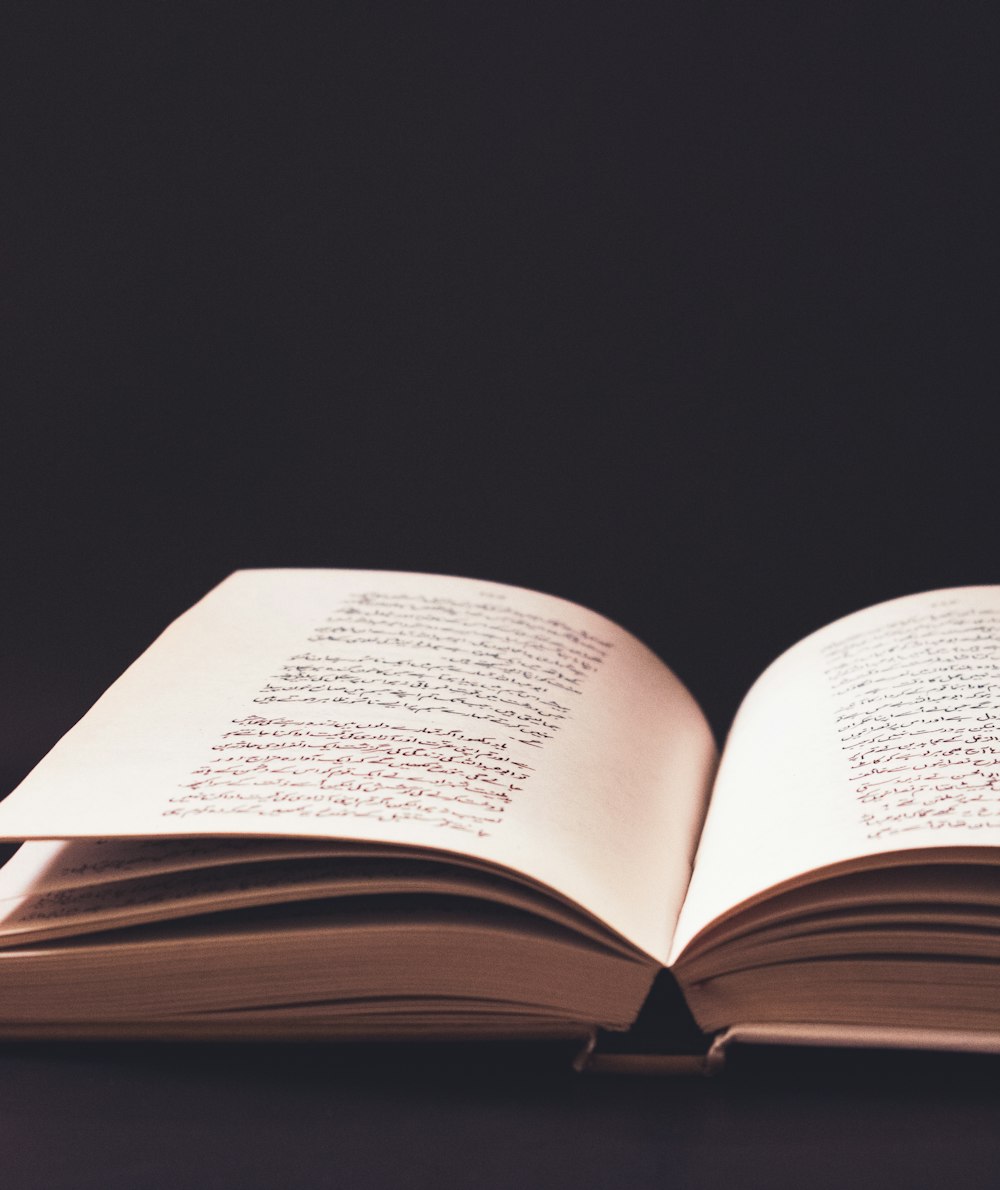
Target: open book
x=347 y=804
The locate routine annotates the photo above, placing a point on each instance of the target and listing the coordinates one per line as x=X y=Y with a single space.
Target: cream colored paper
x=396 y=708
x=878 y=733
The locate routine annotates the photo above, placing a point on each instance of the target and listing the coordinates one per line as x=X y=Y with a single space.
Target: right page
x=879 y=733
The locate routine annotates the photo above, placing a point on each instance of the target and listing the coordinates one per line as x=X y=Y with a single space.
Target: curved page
x=878 y=734
x=417 y=710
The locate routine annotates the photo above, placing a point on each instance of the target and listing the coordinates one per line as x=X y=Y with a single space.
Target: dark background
x=684 y=312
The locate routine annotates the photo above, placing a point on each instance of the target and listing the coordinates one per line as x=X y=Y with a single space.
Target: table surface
x=136 y=1115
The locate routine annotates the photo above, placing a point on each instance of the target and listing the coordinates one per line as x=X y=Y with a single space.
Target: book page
x=433 y=712
x=878 y=733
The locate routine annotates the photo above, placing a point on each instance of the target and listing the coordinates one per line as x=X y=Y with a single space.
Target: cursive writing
x=464 y=692
x=918 y=716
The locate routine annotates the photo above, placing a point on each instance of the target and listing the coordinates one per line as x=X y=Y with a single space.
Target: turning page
x=437 y=713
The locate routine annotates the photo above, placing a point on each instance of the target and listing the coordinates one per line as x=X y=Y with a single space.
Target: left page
x=468 y=717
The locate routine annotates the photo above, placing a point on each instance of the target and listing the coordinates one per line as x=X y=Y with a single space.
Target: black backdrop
x=684 y=312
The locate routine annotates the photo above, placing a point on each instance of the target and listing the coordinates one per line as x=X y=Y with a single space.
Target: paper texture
x=440 y=713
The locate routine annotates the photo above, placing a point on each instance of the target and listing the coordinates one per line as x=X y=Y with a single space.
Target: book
x=361 y=804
